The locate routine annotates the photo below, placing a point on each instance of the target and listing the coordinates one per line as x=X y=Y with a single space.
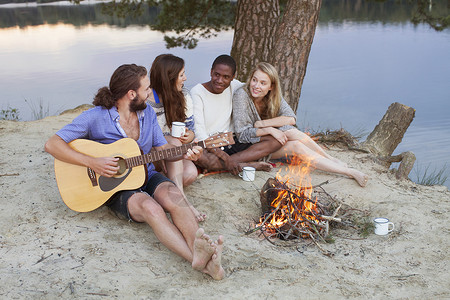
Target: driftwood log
x=386 y=136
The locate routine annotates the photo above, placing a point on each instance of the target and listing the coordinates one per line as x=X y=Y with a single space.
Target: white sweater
x=213 y=112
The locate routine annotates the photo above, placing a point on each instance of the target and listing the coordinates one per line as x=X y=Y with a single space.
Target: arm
x=58 y=148
x=286 y=116
x=275 y=122
x=199 y=118
x=244 y=116
x=190 y=123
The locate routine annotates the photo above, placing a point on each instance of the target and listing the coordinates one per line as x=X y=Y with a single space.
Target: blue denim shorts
x=118 y=203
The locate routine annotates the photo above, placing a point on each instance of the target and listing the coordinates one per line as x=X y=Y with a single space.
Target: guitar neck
x=153 y=156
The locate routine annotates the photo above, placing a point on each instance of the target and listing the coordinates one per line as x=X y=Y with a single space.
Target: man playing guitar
x=121 y=112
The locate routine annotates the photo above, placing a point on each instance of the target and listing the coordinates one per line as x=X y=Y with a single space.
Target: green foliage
x=192 y=20
x=427 y=177
x=364 y=225
x=124 y=8
x=10 y=114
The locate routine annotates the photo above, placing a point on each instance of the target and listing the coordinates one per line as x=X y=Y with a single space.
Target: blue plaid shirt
x=102 y=125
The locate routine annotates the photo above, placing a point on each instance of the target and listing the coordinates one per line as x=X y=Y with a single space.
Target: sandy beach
x=49 y=251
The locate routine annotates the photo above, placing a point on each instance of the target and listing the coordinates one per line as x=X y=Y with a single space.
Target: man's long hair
x=124 y=79
x=272 y=100
x=163 y=79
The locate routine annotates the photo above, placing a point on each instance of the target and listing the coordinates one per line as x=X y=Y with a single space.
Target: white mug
x=248 y=173
x=178 y=129
x=382 y=226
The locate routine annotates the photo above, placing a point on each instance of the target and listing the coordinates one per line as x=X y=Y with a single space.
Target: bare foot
x=258 y=165
x=200 y=217
x=204 y=248
x=214 y=267
x=360 y=177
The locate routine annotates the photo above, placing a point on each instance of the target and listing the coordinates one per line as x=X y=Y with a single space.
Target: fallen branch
x=42 y=258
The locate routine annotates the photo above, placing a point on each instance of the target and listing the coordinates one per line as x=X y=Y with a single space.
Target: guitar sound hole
x=122 y=166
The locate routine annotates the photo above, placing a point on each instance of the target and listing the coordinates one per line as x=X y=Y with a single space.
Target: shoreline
x=49 y=251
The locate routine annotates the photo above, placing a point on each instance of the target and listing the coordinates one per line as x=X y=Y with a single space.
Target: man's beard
x=136 y=105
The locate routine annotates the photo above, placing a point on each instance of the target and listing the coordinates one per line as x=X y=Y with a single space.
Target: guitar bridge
x=92 y=176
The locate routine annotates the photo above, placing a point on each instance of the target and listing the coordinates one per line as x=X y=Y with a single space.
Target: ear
x=131 y=94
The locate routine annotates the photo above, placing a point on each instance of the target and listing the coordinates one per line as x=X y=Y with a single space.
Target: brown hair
x=124 y=79
x=163 y=78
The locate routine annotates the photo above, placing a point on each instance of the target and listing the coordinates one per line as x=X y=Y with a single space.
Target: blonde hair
x=272 y=100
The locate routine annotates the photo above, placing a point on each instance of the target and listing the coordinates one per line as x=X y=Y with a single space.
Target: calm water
x=361 y=61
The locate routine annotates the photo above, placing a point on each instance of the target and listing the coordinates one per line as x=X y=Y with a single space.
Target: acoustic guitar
x=82 y=190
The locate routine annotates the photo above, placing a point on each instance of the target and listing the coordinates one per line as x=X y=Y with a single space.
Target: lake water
x=361 y=61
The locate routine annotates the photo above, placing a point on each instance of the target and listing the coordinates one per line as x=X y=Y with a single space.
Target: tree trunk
x=386 y=136
x=254 y=32
x=293 y=41
x=260 y=35
x=389 y=132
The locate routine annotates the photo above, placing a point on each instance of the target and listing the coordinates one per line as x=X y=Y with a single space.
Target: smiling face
x=260 y=85
x=180 y=80
x=221 y=77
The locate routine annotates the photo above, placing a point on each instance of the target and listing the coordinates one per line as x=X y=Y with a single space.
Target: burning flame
x=293 y=203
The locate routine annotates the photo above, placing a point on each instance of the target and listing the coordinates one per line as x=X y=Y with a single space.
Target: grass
x=39 y=110
x=10 y=114
x=427 y=177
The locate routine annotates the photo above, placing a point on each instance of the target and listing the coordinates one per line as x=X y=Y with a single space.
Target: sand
x=49 y=251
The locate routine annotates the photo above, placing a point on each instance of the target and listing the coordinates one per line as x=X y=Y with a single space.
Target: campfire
x=294 y=209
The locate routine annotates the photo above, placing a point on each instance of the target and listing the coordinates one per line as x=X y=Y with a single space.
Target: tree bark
x=389 y=132
x=260 y=35
x=386 y=136
x=292 y=45
x=254 y=32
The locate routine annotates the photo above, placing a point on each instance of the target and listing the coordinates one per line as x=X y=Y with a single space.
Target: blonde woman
x=259 y=109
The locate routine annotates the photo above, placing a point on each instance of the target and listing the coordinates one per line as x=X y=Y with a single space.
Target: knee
x=144 y=208
x=153 y=210
x=190 y=174
x=173 y=141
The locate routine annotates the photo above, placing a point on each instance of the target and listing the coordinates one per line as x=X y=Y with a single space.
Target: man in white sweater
x=213 y=113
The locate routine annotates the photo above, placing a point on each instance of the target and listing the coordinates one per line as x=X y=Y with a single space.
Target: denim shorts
x=118 y=203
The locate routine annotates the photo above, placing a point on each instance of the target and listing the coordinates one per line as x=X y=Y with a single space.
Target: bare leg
x=248 y=157
x=143 y=208
x=182 y=171
x=320 y=162
x=266 y=146
x=297 y=135
x=183 y=236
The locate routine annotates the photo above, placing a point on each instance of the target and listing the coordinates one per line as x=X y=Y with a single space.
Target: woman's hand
x=279 y=135
x=187 y=137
